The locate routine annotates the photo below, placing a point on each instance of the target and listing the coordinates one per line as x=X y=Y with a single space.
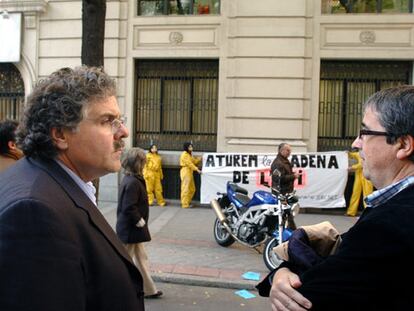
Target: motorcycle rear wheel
x=271 y=260
x=222 y=237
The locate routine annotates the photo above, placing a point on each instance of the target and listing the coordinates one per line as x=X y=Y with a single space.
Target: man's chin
x=117 y=167
x=114 y=168
x=118 y=154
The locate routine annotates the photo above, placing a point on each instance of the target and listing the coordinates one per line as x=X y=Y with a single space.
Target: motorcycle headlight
x=295 y=209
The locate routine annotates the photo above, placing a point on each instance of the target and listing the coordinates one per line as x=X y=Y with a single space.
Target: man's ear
x=59 y=137
x=406 y=147
x=12 y=145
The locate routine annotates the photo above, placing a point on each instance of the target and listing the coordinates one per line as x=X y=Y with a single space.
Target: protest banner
x=322 y=182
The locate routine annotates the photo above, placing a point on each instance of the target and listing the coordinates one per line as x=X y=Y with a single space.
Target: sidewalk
x=183 y=249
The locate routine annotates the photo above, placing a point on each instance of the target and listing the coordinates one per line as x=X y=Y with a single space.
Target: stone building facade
x=269 y=56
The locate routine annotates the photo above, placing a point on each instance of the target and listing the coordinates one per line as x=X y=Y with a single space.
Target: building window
x=344 y=87
x=176 y=101
x=366 y=6
x=11 y=92
x=178 y=7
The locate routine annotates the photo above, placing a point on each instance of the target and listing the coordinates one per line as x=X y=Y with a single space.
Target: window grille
x=344 y=86
x=176 y=101
x=11 y=92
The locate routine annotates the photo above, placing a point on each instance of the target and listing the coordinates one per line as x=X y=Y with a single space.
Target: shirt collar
x=383 y=195
x=87 y=187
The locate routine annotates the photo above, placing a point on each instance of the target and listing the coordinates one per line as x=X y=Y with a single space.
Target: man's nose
x=122 y=132
x=356 y=143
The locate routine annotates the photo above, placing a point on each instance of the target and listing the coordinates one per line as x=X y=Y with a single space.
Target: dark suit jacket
x=132 y=206
x=372 y=265
x=57 y=252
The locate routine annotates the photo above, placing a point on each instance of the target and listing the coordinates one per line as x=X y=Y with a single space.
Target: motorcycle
x=266 y=218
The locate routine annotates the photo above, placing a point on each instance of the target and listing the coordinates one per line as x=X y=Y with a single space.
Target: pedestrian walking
x=133 y=214
x=57 y=252
x=153 y=176
x=188 y=164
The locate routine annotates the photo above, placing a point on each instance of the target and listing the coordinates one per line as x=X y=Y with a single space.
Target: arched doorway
x=11 y=92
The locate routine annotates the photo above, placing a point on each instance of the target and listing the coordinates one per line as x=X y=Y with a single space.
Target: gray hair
x=281 y=146
x=395 y=110
x=133 y=161
x=59 y=101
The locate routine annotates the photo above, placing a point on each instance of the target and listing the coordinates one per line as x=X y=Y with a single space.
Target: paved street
x=183 y=249
x=199 y=298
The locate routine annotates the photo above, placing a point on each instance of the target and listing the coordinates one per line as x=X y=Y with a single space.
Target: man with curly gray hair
x=57 y=250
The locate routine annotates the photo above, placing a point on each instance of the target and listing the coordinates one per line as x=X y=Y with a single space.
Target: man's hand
x=284 y=296
x=141 y=223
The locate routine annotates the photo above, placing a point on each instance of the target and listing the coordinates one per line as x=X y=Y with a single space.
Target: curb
x=203 y=281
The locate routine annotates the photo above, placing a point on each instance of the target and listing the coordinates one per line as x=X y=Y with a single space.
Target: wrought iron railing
x=11 y=92
x=344 y=86
x=175 y=102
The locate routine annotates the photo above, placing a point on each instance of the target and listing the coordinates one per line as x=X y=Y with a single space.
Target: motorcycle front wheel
x=291 y=222
x=222 y=237
x=271 y=260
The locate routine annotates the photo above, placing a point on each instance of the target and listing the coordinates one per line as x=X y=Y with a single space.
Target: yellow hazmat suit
x=153 y=176
x=360 y=184
x=188 y=166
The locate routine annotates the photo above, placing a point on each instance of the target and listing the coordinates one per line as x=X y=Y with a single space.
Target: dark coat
x=57 y=252
x=373 y=264
x=287 y=177
x=132 y=206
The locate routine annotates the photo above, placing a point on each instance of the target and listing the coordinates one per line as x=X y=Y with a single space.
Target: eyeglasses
x=117 y=123
x=363 y=132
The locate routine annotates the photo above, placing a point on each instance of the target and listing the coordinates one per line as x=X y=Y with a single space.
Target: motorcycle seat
x=237 y=188
x=242 y=198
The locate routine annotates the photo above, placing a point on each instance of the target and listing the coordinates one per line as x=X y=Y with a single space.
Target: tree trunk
x=93 y=32
x=93 y=35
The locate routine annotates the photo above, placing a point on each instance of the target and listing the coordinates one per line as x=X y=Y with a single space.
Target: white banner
x=322 y=183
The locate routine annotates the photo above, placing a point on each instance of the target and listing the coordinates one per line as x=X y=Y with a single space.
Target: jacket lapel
x=82 y=201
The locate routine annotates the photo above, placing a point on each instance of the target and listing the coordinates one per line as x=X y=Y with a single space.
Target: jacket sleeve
x=357 y=274
x=196 y=160
x=187 y=161
x=129 y=202
x=40 y=266
x=360 y=272
x=285 y=176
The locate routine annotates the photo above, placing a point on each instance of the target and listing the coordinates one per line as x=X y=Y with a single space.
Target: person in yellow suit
x=188 y=165
x=153 y=176
x=361 y=184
